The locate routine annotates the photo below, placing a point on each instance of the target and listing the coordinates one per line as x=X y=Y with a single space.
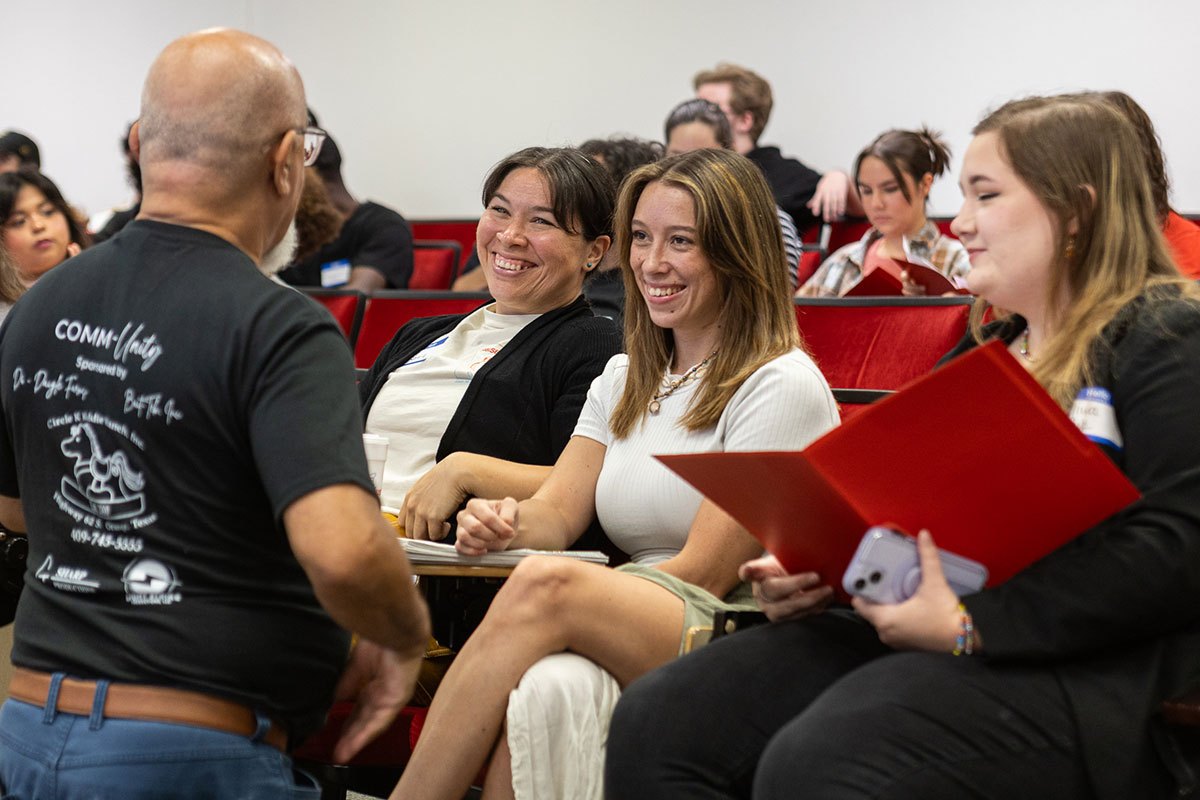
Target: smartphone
x=886 y=568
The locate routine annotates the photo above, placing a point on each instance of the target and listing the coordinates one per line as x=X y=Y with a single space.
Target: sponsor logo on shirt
x=149 y=582
x=68 y=579
x=103 y=484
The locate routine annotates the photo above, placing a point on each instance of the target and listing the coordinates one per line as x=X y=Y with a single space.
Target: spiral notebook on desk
x=1007 y=480
x=421 y=551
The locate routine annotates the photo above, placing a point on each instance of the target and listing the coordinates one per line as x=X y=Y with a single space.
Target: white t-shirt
x=420 y=397
x=646 y=509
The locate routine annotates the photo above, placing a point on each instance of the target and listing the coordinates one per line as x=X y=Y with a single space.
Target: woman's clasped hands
x=486 y=525
x=783 y=596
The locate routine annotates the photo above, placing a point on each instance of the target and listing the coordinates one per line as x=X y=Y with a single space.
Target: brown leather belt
x=146 y=703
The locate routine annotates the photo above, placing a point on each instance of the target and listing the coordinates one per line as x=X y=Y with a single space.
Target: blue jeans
x=52 y=754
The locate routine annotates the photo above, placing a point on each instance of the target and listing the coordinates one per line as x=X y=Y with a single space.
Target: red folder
x=881 y=282
x=1011 y=479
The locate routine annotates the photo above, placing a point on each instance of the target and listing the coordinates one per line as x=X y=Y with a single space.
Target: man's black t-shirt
x=163 y=404
x=792 y=183
x=372 y=236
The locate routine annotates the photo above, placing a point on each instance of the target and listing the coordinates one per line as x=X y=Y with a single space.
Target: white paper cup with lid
x=376 y=448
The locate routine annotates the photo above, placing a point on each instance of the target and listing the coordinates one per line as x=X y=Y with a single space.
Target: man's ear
x=742 y=123
x=284 y=174
x=135 y=141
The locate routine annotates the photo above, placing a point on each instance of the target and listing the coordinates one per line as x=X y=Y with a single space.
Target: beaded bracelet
x=964 y=645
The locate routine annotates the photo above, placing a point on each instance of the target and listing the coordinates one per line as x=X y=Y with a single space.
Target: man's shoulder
x=371 y=213
x=770 y=159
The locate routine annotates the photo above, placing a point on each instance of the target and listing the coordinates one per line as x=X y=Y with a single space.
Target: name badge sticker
x=1094 y=414
x=424 y=354
x=335 y=273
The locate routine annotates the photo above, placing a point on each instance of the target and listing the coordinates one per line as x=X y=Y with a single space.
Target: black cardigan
x=523 y=404
x=1115 y=613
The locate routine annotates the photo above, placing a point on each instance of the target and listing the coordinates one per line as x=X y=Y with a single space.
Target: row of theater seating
x=436 y=262
x=820 y=241
x=861 y=344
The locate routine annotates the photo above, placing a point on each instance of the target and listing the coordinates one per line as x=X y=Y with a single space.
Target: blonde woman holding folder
x=1047 y=685
x=714 y=363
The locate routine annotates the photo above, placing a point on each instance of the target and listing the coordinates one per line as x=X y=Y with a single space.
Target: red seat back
x=453 y=230
x=387 y=311
x=346 y=306
x=943 y=225
x=391 y=749
x=880 y=342
x=435 y=264
x=846 y=231
x=809 y=261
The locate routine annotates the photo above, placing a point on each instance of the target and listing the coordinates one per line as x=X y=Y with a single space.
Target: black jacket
x=523 y=404
x=1115 y=613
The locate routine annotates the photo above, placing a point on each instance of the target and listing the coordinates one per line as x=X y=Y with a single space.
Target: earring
x=1069 y=251
x=589 y=265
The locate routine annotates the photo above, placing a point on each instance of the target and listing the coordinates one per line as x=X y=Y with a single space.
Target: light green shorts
x=699 y=606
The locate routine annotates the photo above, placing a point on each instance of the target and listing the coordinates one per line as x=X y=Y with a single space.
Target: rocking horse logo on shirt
x=103 y=484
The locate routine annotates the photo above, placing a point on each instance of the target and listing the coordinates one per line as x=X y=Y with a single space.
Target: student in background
x=40 y=230
x=697 y=123
x=893 y=175
x=374 y=248
x=1183 y=236
x=806 y=195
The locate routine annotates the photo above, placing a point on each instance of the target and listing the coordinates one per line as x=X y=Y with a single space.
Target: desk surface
x=459 y=571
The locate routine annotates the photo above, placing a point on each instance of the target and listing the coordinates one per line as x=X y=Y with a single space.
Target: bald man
x=182 y=443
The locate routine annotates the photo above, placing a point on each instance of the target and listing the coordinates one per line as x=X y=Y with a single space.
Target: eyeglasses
x=313 y=139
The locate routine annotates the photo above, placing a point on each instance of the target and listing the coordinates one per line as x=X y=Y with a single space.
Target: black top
x=116 y=222
x=792 y=183
x=166 y=403
x=372 y=236
x=605 y=290
x=1116 y=612
x=524 y=403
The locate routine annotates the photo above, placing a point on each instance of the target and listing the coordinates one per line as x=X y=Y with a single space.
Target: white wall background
x=424 y=96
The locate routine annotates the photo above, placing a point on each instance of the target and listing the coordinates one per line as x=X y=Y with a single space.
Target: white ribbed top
x=645 y=508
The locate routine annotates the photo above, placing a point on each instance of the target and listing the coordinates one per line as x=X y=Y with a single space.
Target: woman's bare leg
x=497 y=784
x=625 y=624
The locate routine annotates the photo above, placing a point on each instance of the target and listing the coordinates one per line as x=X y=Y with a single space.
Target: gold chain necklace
x=668 y=386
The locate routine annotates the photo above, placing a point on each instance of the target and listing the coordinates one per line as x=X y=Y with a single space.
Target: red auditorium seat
x=346 y=306
x=435 y=264
x=454 y=230
x=880 y=342
x=386 y=311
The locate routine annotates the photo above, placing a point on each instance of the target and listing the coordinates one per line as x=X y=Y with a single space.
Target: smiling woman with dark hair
x=483 y=403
